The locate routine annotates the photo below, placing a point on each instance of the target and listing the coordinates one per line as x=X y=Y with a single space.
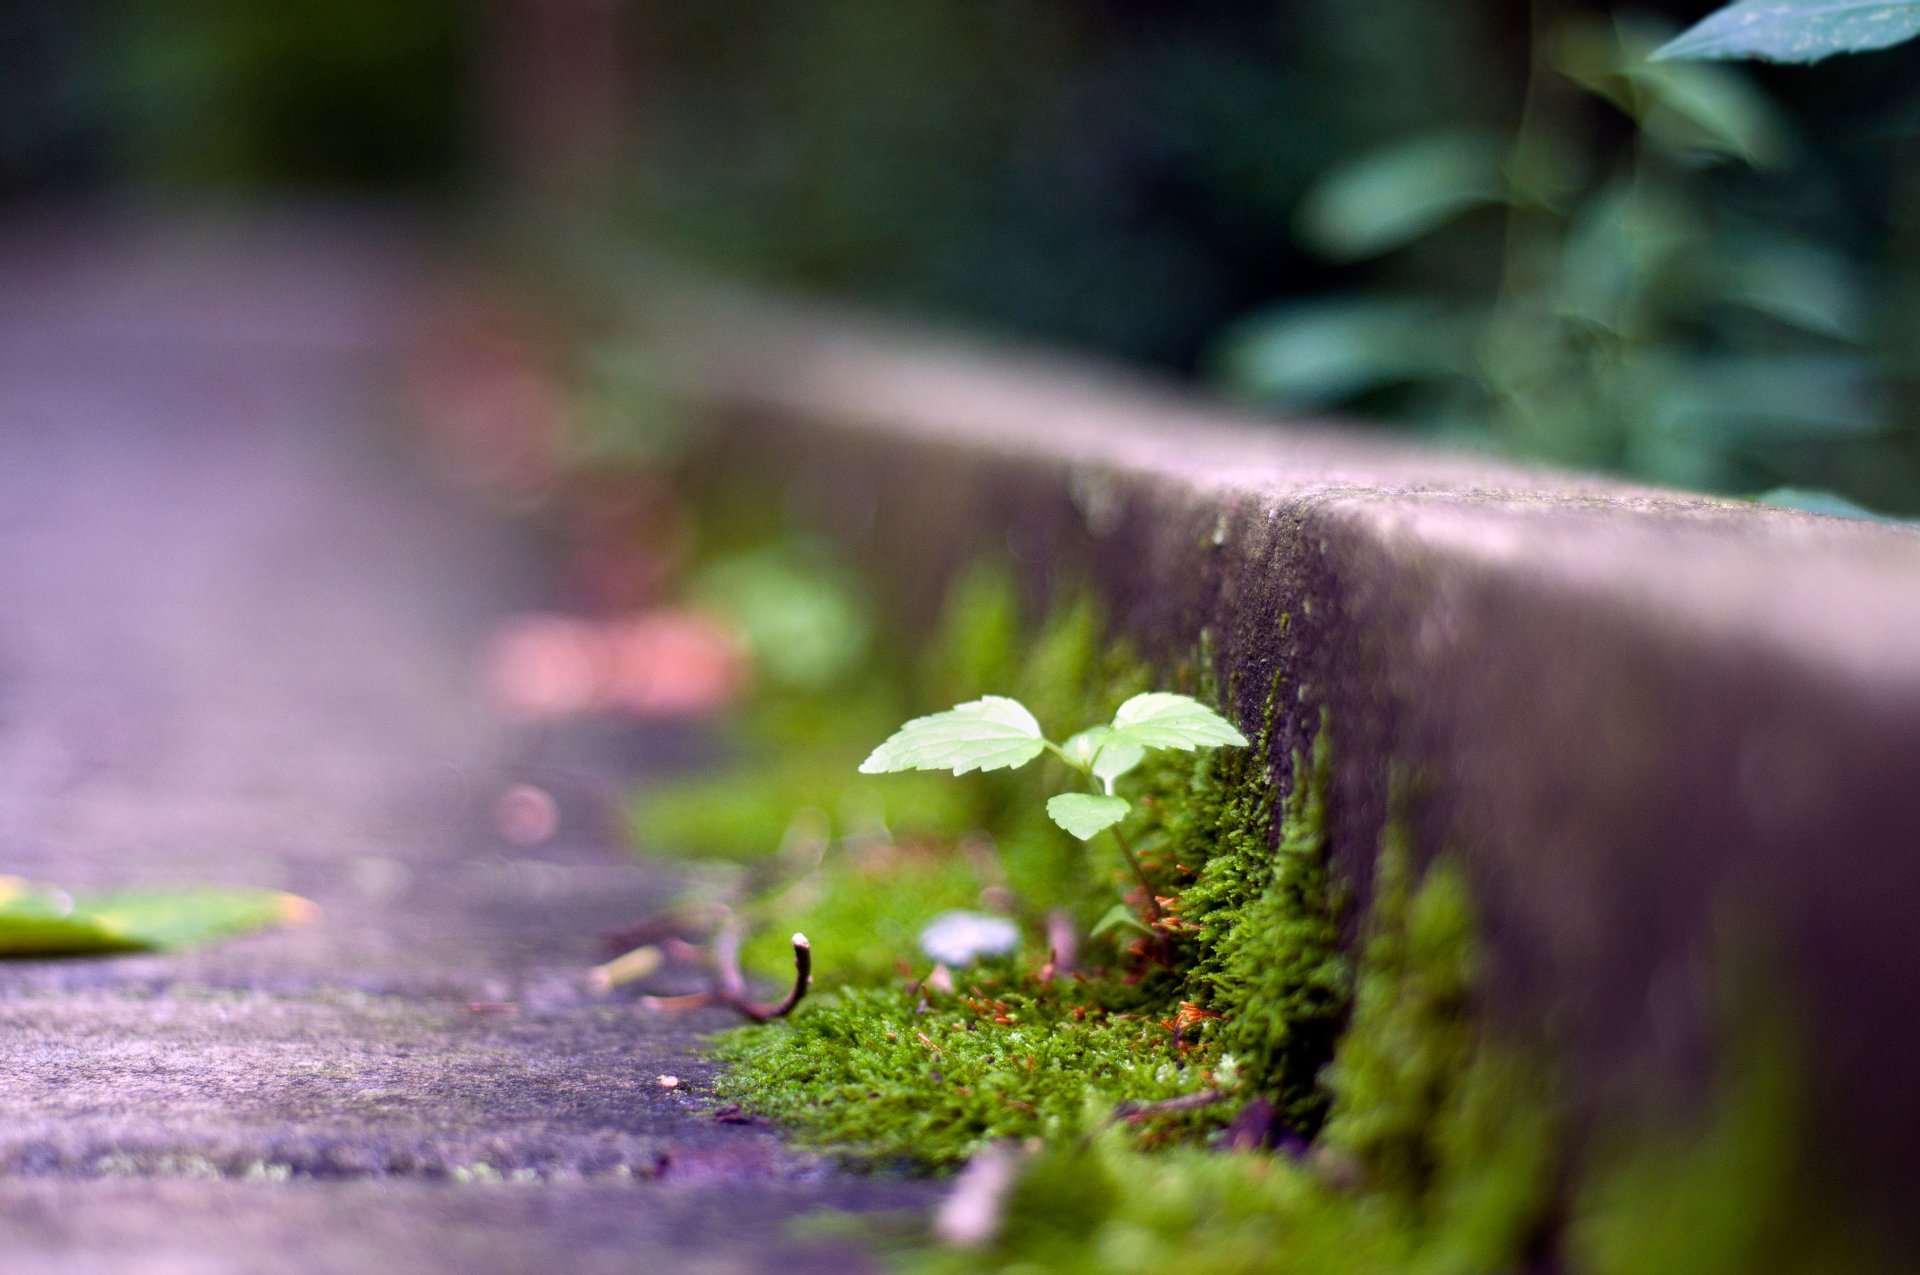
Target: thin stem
x=1061 y=753
x=732 y=991
x=1153 y=905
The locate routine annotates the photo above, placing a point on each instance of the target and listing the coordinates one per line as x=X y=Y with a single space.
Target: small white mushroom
x=961 y=938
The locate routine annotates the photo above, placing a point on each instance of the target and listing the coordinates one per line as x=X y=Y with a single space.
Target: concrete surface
x=238 y=639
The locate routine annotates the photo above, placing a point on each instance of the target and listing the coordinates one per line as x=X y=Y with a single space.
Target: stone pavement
x=237 y=644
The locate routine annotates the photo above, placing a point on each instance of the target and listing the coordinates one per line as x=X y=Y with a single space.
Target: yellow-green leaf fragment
x=37 y=921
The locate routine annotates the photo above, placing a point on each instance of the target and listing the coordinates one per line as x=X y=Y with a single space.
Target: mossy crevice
x=1414 y=1141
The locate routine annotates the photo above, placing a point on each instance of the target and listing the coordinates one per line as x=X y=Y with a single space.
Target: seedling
x=997 y=733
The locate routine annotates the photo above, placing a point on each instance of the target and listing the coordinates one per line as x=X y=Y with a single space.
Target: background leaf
x=800 y=617
x=990 y=733
x=1085 y=815
x=1160 y=719
x=1797 y=30
x=1753 y=398
x=1313 y=353
x=1389 y=198
x=1820 y=502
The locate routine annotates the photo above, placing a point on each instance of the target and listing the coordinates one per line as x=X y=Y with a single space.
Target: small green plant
x=998 y=733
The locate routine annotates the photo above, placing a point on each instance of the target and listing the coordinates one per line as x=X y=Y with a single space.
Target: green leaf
x=1682 y=107
x=1388 y=198
x=1797 y=30
x=1159 y=719
x=990 y=733
x=1117 y=757
x=187 y=916
x=1117 y=915
x=1085 y=815
x=1797 y=283
x=39 y=921
x=1106 y=758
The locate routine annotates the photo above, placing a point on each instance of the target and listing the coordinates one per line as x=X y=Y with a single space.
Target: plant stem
x=1140 y=873
x=1161 y=938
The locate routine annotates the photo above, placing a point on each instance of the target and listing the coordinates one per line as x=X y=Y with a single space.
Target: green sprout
x=997 y=733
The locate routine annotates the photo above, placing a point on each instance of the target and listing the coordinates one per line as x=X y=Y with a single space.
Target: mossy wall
x=1616 y=785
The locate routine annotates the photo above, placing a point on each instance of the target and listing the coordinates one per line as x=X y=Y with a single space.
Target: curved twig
x=732 y=992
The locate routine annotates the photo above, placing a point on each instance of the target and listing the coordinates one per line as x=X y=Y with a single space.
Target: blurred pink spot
x=661 y=663
x=526 y=815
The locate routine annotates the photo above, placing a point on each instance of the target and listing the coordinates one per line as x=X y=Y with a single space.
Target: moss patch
x=1414 y=1143
x=1484 y=1136
x=886 y=1076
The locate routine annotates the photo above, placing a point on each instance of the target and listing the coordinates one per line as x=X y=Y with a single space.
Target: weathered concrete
x=1664 y=731
x=237 y=644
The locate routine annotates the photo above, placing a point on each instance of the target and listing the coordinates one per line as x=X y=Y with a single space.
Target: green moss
x=1259 y=933
x=1268 y=945
x=1441 y=1154
x=1412 y=1036
x=1727 y=1192
x=1423 y=1146
x=870 y=1075
x=1111 y=1209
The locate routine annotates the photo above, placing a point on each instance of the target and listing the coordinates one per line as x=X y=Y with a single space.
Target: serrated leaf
x=1086 y=815
x=1796 y=30
x=1160 y=719
x=1117 y=915
x=991 y=733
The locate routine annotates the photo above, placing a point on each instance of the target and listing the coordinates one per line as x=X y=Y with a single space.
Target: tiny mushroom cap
x=961 y=938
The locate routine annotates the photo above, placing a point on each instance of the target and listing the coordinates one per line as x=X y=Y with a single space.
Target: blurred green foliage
x=333 y=92
x=235 y=95
x=1629 y=320
x=1498 y=225
x=1495 y=224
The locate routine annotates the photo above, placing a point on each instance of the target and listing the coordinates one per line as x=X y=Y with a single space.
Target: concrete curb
x=1648 y=721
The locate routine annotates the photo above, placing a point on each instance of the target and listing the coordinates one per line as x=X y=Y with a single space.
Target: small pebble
x=668 y=1082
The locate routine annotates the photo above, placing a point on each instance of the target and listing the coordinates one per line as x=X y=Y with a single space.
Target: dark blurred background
x=1486 y=222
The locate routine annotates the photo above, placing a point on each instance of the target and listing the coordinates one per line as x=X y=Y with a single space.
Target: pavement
x=239 y=630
